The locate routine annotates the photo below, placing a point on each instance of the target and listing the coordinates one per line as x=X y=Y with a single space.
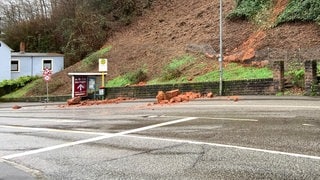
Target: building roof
x=86 y=73
x=26 y=54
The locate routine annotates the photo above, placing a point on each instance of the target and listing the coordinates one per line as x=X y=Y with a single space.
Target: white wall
x=5 y=62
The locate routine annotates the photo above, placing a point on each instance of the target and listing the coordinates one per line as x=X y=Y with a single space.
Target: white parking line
x=52 y=130
x=232 y=119
x=96 y=138
x=125 y=134
x=58 y=120
x=308 y=125
x=261 y=106
x=227 y=146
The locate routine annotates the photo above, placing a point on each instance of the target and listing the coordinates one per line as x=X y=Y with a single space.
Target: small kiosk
x=88 y=85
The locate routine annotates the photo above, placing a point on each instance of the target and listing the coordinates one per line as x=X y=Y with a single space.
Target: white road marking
x=261 y=106
x=226 y=119
x=58 y=120
x=227 y=146
x=96 y=138
x=125 y=134
x=231 y=119
x=52 y=130
x=308 y=125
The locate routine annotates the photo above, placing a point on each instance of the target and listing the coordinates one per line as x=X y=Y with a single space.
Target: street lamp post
x=221 y=52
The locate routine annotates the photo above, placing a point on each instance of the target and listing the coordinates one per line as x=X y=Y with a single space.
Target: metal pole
x=47 y=100
x=102 y=79
x=221 y=52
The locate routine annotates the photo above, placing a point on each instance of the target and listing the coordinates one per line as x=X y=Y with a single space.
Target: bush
x=295 y=73
x=247 y=9
x=297 y=10
x=137 y=76
x=8 y=86
x=297 y=77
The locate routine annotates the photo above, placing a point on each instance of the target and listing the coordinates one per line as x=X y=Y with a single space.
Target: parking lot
x=253 y=138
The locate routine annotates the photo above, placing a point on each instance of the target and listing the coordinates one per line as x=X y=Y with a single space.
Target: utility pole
x=221 y=53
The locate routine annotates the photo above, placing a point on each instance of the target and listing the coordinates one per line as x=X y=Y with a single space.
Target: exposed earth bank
x=172 y=28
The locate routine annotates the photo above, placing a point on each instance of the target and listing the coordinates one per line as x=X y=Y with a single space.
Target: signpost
x=47 y=77
x=80 y=86
x=103 y=67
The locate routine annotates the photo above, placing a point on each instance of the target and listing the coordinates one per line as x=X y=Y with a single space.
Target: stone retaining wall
x=243 y=87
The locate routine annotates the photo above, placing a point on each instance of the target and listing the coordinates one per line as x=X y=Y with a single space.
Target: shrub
x=8 y=86
x=297 y=10
x=297 y=77
x=137 y=76
x=247 y=9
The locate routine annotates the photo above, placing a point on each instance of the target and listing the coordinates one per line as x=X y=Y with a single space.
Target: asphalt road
x=254 y=138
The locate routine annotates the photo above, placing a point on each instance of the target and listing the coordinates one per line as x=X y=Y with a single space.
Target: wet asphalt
x=261 y=137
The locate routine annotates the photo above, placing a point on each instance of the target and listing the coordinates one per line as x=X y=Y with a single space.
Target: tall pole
x=221 y=52
x=47 y=100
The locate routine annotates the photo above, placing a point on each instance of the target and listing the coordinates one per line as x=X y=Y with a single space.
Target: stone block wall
x=243 y=87
x=278 y=76
x=310 y=78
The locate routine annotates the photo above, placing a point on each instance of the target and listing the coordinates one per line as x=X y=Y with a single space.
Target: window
x=15 y=65
x=47 y=64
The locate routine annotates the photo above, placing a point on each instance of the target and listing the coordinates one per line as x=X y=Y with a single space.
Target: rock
x=230 y=58
x=16 y=107
x=74 y=101
x=161 y=96
x=175 y=96
x=241 y=56
x=184 y=98
x=249 y=54
x=164 y=102
x=172 y=94
x=177 y=99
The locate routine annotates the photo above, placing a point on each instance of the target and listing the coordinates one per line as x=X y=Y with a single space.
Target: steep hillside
x=166 y=30
x=174 y=27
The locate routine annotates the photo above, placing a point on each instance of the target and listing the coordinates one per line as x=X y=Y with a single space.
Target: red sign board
x=80 y=86
x=46 y=75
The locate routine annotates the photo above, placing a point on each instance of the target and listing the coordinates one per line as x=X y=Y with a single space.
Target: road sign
x=103 y=65
x=46 y=75
x=80 y=86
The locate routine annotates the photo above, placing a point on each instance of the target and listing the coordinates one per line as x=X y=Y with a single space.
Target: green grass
x=234 y=71
x=172 y=81
x=94 y=57
x=174 y=70
x=129 y=78
x=118 y=81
